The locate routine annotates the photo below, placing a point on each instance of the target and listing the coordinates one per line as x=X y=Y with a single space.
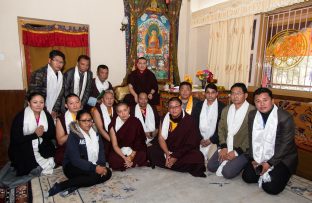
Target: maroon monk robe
x=143 y=82
x=107 y=144
x=183 y=142
x=60 y=150
x=131 y=134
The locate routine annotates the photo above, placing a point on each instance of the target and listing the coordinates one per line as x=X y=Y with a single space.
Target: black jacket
x=21 y=151
x=76 y=150
x=285 y=148
x=69 y=84
x=38 y=83
x=214 y=138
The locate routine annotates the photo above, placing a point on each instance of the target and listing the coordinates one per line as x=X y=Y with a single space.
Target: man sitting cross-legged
x=273 y=152
x=178 y=143
x=230 y=159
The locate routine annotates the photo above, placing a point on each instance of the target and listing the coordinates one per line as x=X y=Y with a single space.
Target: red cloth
x=131 y=134
x=50 y=39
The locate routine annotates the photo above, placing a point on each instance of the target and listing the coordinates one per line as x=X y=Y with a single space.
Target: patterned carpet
x=158 y=185
x=20 y=194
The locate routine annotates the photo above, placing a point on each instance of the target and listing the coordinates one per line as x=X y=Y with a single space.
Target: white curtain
x=235 y=9
x=229 y=46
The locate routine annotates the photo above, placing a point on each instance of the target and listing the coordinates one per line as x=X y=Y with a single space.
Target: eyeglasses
x=174 y=107
x=57 y=61
x=86 y=121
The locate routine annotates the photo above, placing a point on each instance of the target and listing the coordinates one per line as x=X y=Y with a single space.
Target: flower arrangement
x=205 y=75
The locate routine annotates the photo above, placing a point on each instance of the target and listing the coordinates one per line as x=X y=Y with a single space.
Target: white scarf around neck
x=48 y=164
x=119 y=123
x=106 y=117
x=54 y=87
x=208 y=119
x=101 y=86
x=166 y=124
x=149 y=123
x=263 y=136
x=235 y=119
x=30 y=125
x=68 y=119
x=77 y=80
x=92 y=144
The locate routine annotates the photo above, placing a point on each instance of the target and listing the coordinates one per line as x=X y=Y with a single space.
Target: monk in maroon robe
x=128 y=140
x=142 y=80
x=178 y=143
x=102 y=115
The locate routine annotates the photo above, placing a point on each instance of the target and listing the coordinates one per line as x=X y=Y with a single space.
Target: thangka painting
x=153 y=43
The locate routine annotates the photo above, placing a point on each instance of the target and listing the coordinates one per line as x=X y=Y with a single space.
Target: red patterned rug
x=20 y=194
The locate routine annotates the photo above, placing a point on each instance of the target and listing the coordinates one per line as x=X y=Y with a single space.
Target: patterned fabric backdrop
x=163 y=17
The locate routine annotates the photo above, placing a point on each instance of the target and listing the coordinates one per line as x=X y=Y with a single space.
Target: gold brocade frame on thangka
x=153 y=33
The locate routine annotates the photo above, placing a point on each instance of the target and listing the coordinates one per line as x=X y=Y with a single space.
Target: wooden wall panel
x=11 y=102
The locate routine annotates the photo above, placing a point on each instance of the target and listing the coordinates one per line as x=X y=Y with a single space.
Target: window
x=287 y=49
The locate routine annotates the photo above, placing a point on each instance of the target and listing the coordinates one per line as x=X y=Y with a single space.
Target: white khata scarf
x=92 y=144
x=149 y=124
x=30 y=124
x=77 y=80
x=101 y=86
x=106 y=117
x=68 y=119
x=48 y=164
x=54 y=87
x=166 y=124
x=263 y=140
x=235 y=120
x=208 y=122
x=208 y=119
x=119 y=123
x=29 y=127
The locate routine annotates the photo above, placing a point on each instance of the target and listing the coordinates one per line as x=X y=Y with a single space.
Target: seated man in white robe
x=231 y=158
x=148 y=116
x=273 y=152
x=208 y=116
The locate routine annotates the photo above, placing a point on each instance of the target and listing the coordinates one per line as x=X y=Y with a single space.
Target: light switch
x=2 y=56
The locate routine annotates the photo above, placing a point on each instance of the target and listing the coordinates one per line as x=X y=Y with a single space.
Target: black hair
x=83 y=57
x=175 y=99
x=186 y=84
x=55 y=53
x=142 y=58
x=81 y=112
x=121 y=104
x=240 y=85
x=33 y=94
x=71 y=95
x=263 y=90
x=102 y=66
x=211 y=86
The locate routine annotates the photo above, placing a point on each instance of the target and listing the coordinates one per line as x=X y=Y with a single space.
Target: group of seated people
x=258 y=140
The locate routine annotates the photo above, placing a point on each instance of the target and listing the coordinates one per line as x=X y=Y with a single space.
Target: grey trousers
x=231 y=169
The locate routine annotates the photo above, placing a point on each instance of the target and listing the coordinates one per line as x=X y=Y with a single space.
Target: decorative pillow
x=121 y=92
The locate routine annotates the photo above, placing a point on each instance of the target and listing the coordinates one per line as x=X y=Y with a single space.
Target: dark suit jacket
x=285 y=148
x=94 y=92
x=69 y=84
x=38 y=83
x=214 y=138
